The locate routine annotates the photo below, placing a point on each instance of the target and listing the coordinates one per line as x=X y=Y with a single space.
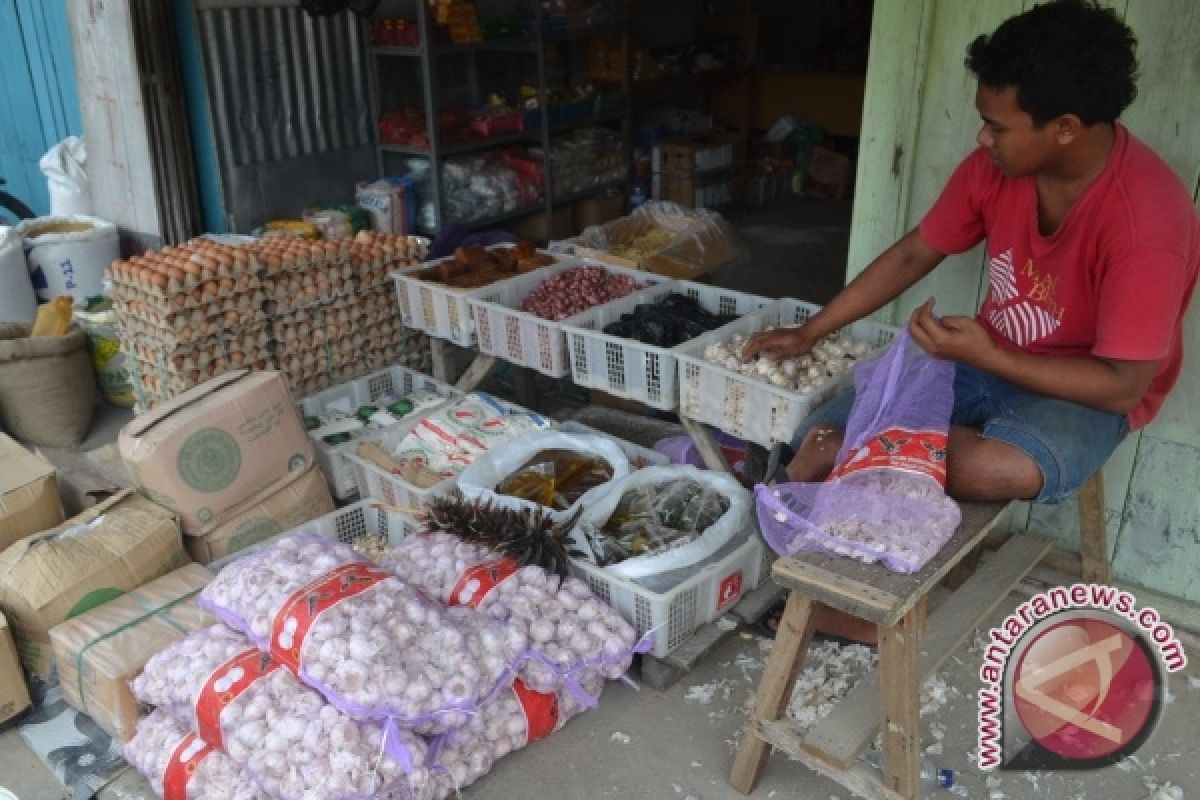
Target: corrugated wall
x=920 y=121
x=289 y=101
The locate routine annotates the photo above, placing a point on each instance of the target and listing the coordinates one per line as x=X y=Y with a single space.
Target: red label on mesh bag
x=186 y=756
x=923 y=452
x=298 y=613
x=540 y=709
x=729 y=590
x=226 y=684
x=477 y=582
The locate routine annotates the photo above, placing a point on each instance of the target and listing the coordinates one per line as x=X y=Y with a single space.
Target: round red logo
x=1086 y=689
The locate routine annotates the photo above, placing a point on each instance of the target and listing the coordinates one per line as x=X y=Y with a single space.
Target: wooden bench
x=896 y=604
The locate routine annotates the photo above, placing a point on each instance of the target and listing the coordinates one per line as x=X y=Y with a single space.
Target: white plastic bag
x=63 y=166
x=731 y=523
x=478 y=481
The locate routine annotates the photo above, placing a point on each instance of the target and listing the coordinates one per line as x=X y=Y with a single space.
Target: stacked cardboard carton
x=232 y=458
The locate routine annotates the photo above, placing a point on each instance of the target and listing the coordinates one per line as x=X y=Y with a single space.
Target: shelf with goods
x=428 y=138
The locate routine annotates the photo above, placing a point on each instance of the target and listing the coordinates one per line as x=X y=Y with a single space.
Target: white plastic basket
x=346 y=525
x=526 y=339
x=748 y=407
x=394 y=381
x=628 y=368
x=444 y=311
x=674 y=615
x=376 y=483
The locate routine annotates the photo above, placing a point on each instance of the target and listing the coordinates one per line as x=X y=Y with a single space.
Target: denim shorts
x=1067 y=441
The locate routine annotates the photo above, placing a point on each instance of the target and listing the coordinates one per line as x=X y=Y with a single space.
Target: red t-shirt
x=1113 y=281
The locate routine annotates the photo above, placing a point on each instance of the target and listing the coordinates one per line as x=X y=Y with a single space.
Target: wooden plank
x=1093 y=547
x=775 y=688
x=857 y=778
x=476 y=372
x=900 y=688
x=892 y=110
x=706 y=443
x=840 y=737
x=872 y=591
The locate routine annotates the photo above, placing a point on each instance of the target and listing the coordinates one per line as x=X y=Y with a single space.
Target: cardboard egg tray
x=308 y=380
x=337 y=352
x=197 y=354
x=180 y=270
x=185 y=377
x=158 y=385
x=288 y=255
x=334 y=320
x=227 y=293
x=227 y=312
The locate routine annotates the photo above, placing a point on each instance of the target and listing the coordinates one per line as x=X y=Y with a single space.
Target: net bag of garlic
x=514 y=718
x=293 y=744
x=182 y=766
x=375 y=646
x=575 y=639
x=885 y=501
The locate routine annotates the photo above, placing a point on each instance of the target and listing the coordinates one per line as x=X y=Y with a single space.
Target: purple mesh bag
x=885 y=500
x=376 y=647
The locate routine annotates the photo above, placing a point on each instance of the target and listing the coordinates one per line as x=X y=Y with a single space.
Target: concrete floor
x=673 y=745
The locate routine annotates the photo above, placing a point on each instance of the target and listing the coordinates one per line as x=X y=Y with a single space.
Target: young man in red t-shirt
x=1093 y=248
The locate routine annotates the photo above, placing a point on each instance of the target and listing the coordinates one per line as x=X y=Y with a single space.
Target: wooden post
x=774 y=689
x=900 y=684
x=1093 y=531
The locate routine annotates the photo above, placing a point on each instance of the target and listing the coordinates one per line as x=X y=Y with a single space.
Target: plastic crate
x=748 y=407
x=674 y=615
x=394 y=381
x=443 y=311
x=525 y=339
x=375 y=483
x=346 y=525
x=628 y=368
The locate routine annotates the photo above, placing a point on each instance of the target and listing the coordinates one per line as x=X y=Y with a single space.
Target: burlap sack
x=47 y=387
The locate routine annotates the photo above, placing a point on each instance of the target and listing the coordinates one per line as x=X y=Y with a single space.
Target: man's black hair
x=1064 y=57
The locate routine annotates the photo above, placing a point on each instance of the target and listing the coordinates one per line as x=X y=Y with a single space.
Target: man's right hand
x=779 y=344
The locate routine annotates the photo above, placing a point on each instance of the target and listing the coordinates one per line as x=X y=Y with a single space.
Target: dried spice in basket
x=556 y=478
x=649 y=520
x=671 y=321
x=472 y=266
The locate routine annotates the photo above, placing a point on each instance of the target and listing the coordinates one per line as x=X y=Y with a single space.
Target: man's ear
x=1066 y=128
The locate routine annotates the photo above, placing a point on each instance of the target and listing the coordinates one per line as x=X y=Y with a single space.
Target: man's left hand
x=955 y=338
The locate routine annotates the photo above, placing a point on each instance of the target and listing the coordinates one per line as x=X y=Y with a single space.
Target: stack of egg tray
x=334 y=316
x=188 y=314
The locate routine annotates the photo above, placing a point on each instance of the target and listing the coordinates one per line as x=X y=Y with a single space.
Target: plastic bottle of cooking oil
x=931 y=776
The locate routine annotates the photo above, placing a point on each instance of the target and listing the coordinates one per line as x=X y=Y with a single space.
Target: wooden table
x=890 y=696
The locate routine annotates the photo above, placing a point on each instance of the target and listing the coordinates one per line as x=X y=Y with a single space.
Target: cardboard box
x=694 y=191
x=14 y=694
x=216 y=446
x=599 y=209
x=52 y=576
x=276 y=510
x=29 y=501
x=697 y=152
x=829 y=174
x=99 y=652
x=535 y=228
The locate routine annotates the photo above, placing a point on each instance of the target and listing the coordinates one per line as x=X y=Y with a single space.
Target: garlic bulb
x=574 y=634
x=400 y=632
x=829 y=358
x=281 y=732
x=213 y=777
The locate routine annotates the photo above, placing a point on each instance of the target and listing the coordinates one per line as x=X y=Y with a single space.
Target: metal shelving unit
x=428 y=51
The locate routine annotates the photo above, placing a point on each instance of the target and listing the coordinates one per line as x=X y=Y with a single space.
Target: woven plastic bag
x=375 y=646
x=886 y=499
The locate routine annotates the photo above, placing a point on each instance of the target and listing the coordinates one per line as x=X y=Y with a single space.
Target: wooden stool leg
x=1093 y=531
x=900 y=685
x=775 y=689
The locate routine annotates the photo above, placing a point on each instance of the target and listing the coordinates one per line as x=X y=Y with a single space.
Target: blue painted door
x=39 y=104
